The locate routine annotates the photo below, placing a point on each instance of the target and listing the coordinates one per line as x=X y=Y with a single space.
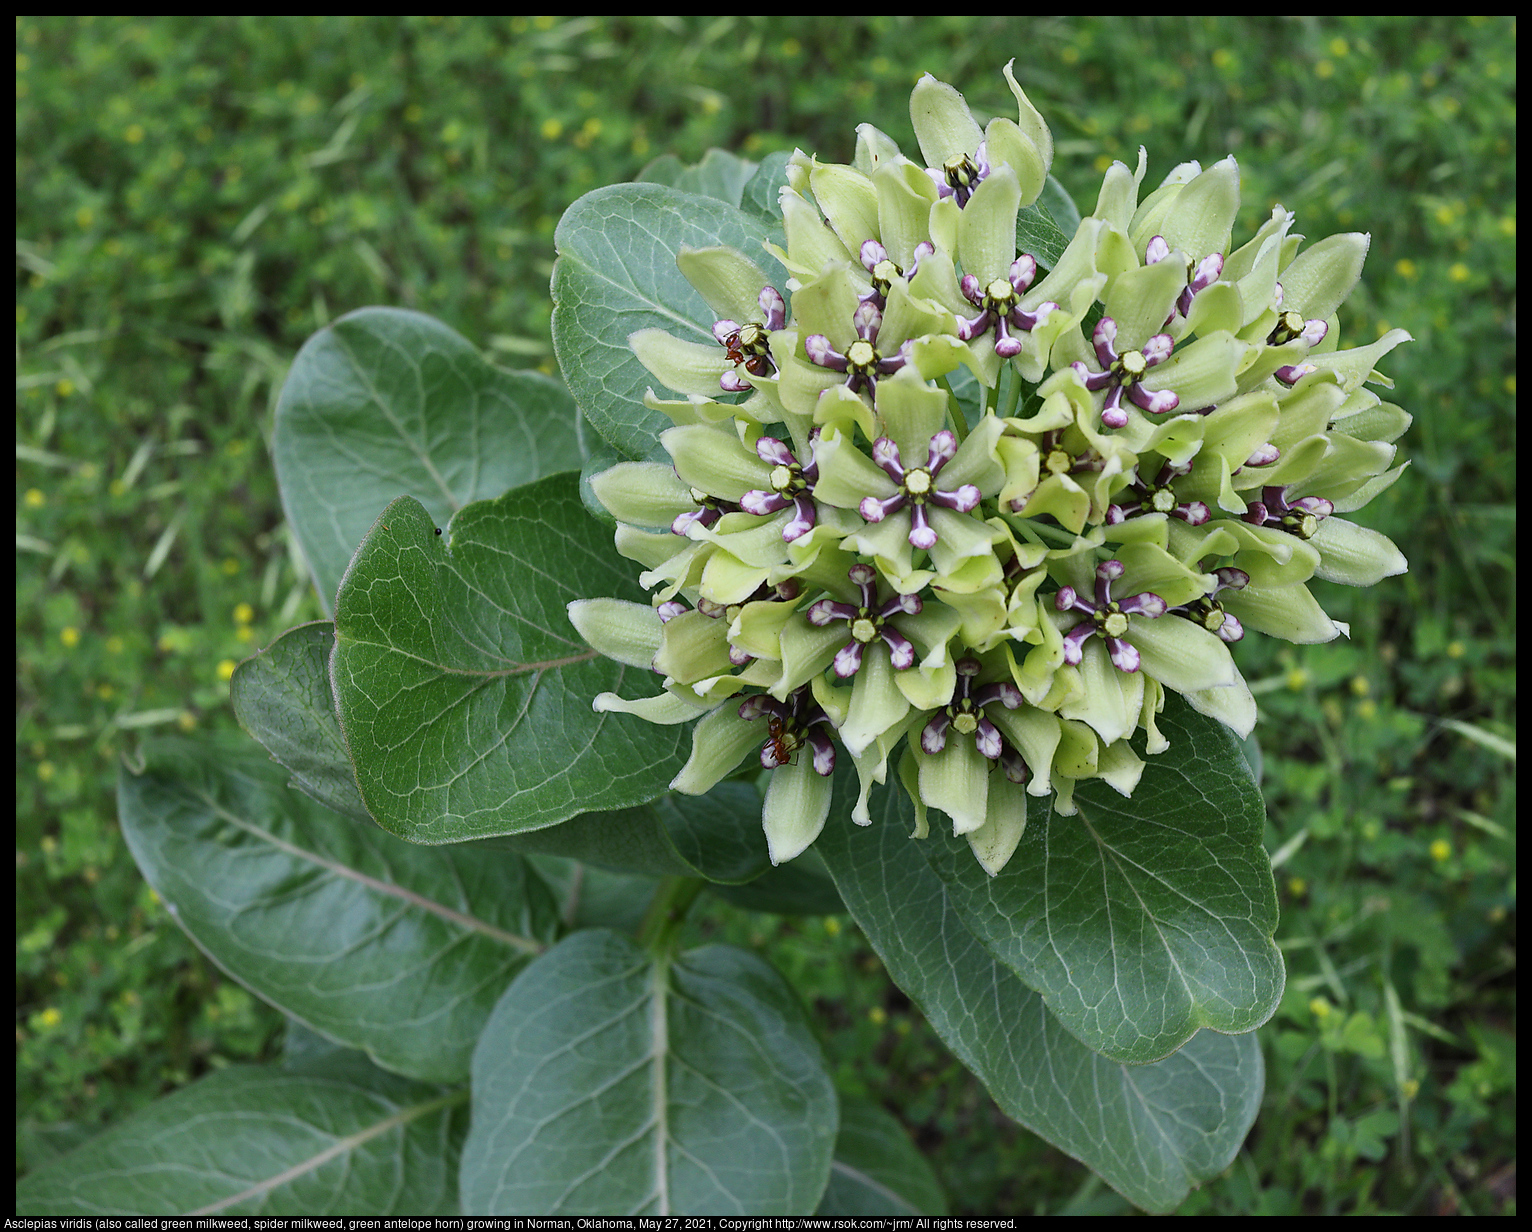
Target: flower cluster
x=996 y=513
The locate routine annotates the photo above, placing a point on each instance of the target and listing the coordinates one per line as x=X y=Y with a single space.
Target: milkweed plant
x=888 y=549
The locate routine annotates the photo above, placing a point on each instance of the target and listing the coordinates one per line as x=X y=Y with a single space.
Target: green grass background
x=196 y=196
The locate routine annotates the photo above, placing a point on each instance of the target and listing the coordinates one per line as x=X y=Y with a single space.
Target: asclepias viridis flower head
x=989 y=594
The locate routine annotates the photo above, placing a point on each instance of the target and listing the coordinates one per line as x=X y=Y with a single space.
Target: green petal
x=729 y=281
x=927 y=688
x=872 y=765
x=944 y=126
x=665 y=708
x=1355 y=555
x=1356 y=365
x=797 y=803
x=874 y=149
x=849 y=202
x=1140 y=300
x=754 y=540
x=726 y=579
x=1111 y=699
x=642 y=493
x=912 y=412
x=1181 y=655
x=905 y=317
x=1197 y=219
x=1031 y=123
x=846 y=474
x=1035 y=734
x=876 y=703
x=807 y=650
x=714 y=460
x=987 y=227
x=1119 y=767
x=692 y=647
x=758 y=628
x=975 y=461
x=1005 y=820
x=1288 y=612
x=1005 y=145
x=956 y=781
x=719 y=743
x=1202 y=374
x=628 y=632
x=1320 y=278
x=905 y=196
x=810 y=244
x=686 y=367
x=1118 y=199
x=1234 y=707
x=826 y=305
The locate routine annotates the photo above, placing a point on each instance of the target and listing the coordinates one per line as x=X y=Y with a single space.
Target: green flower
x=991 y=603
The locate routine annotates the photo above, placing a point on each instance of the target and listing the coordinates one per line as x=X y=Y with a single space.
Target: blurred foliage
x=197 y=195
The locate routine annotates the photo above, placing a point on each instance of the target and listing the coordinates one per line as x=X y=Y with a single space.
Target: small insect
x=780 y=744
x=748 y=345
x=438 y=530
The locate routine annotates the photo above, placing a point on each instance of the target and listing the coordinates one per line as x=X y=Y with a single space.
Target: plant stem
x=1012 y=393
x=955 y=409
x=667 y=911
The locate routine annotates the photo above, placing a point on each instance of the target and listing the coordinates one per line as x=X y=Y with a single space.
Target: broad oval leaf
x=387 y=402
x=802 y=886
x=1152 y=1132
x=463 y=690
x=616 y=274
x=877 y=1170
x=612 y=1083
x=720 y=174
x=282 y=698
x=1142 y=919
x=397 y=950
x=336 y=1138
x=716 y=836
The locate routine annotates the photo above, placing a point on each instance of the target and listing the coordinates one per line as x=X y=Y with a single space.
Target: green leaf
x=1150 y=1131
x=616 y=274
x=336 y=1138
x=465 y=693
x=397 y=950
x=1141 y=919
x=590 y=897
x=385 y=403
x=1038 y=234
x=282 y=698
x=760 y=198
x=720 y=175
x=877 y=1170
x=612 y=1083
x=800 y=887
x=1060 y=208
x=716 y=836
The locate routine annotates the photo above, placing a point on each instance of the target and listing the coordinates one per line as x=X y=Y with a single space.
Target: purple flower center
x=791 y=725
x=917 y=487
x=862 y=362
x=1107 y=617
x=1300 y=517
x=999 y=303
x=867 y=622
x=964 y=714
x=1208 y=611
x=791 y=484
x=1157 y=496
x=749 y=345
x=1126 y=372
